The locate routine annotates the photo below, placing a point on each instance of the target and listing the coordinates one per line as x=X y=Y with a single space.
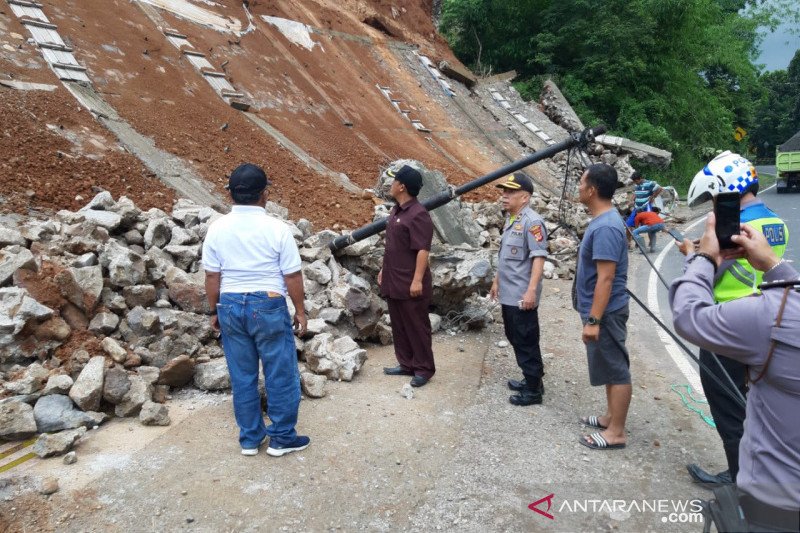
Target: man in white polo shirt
x=252 y=263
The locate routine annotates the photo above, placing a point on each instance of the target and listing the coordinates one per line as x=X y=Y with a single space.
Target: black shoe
x=418 y=381
x=397 y=371
x=709 y=480
x=526 y=397
x=517 y=384
x=520 y=385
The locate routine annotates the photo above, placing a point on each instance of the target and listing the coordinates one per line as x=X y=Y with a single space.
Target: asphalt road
x=787 y=206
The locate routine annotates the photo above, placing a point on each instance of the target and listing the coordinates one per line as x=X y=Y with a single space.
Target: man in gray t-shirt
x=602 y=302
x=602 y=242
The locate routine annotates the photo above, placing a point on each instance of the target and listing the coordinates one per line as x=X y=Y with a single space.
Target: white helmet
x=728 y=172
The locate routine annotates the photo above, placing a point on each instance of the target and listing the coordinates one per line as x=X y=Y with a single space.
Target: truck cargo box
x=788 y=167
x=788 y=161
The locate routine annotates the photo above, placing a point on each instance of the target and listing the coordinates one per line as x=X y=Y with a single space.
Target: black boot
x=526 y=397
x=709 y=480
x=517 y=385
x=520 y=385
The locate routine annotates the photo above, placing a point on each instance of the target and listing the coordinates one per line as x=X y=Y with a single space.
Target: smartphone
x=726 y=209
x=677 y=235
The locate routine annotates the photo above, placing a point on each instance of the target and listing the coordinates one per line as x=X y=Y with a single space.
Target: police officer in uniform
x=734 y=279
x=761 y=334
x=518 y=285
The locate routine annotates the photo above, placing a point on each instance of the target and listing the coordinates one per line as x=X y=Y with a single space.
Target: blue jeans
x=255 y=326
x=652 y=230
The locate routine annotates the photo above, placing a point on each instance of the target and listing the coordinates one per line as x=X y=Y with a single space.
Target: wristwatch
x=592 y=321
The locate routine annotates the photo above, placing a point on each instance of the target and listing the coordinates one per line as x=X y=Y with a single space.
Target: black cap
x=247 y=178
x=408 y=176
x=517 y=182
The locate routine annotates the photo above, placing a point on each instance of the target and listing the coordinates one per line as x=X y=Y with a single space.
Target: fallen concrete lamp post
x=586 y=136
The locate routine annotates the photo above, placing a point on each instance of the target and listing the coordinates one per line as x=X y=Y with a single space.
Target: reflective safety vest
x=741 y=279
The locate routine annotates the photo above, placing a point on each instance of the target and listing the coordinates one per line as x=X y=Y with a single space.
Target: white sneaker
x=253 y=451
x=300 y=442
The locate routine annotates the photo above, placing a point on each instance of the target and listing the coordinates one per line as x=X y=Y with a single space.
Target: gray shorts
x=609 y=363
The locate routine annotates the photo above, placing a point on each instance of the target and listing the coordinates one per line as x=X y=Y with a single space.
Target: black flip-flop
x=592 y=422
x=599 y=443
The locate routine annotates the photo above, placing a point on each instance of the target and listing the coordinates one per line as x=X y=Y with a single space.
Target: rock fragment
x=16 y=421
x=50 y=444
x=88 y=388
x=212 y=375
x=154 y=414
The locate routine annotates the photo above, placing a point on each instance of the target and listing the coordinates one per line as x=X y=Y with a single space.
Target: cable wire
x=688 y=388
x=735 y=395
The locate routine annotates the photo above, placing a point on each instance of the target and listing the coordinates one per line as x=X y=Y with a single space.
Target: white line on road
x=673 y=350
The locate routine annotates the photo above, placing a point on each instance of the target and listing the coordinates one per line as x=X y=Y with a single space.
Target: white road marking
x=677 y=355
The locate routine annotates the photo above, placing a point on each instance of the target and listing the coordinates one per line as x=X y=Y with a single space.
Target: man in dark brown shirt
x=405 y=278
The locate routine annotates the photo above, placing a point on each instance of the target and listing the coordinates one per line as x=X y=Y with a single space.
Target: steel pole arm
x=444 y=197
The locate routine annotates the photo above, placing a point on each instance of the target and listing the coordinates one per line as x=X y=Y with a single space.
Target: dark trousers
x=411 y=331
x=522 y=331
x=727 y=412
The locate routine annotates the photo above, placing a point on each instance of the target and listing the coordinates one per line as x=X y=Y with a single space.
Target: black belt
x=763 y=514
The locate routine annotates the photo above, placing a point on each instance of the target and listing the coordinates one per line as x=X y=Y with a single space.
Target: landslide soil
x=55 y=156
x=61 y=156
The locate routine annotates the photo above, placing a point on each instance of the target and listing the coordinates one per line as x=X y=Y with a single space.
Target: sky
x=778 y=48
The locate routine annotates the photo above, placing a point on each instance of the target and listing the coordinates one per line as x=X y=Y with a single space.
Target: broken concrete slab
x=458 y=72
x=140 y=392
x=558 y=108
x=32 y=380
x=644 y=152
x=313 y=385
x=453 y=224
x=81 y=286
x=28 y=86
x=116 y=385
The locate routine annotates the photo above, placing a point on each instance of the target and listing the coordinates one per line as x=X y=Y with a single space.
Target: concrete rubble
x=103 y=310
x=559 y=110
x=49 y=444
x=451 y=222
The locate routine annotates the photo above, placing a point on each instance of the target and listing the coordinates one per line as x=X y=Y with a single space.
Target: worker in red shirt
x=648 y=222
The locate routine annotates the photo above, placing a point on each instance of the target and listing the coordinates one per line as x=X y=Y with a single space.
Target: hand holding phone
x=726 y=212
x=675 y=234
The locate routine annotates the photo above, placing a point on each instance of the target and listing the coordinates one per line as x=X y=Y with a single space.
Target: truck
x=787 y=165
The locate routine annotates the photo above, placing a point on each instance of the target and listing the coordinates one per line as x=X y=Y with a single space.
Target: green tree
x=678 y=74
x=778 y=109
